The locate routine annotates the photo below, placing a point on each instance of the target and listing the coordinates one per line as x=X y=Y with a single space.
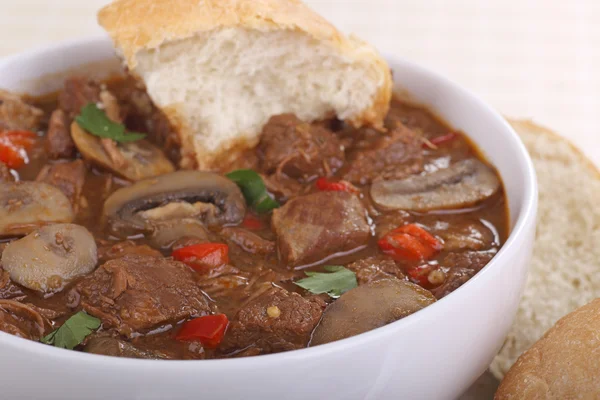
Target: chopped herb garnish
x=335 y=282
x=73 y=331
x=95 y=121
x=254 y=190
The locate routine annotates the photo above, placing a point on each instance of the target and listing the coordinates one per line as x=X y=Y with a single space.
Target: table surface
x=536 y=59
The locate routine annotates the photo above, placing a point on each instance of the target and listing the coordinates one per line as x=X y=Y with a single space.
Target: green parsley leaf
x=254 y=190
x=336 y=282
x=95 y=121
x=73 y=331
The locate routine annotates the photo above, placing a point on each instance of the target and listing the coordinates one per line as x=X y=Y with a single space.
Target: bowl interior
x=498 y=142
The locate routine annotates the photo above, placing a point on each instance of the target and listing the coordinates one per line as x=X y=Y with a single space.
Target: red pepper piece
x=252 y=223
x=420 y=275
x=203 y=257
x=410 y=243
x=325 y=185
x=14 y=146
x=209 y=330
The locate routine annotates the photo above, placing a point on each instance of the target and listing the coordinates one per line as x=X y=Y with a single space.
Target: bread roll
x=219 y=69
x=564 y=272
x=564 y=364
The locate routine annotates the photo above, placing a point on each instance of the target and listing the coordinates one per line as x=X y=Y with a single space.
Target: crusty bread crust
x=563 y=274
x=136 y=25
x=524 y=126
x=564 y=364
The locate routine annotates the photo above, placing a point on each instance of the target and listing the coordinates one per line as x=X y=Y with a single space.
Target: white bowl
x=433 y=354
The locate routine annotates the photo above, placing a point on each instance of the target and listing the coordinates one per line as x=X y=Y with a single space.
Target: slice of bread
x=565 y=271
x=219 y=69
x=564 y=364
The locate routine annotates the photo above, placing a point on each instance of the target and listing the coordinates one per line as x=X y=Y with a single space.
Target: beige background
x=537 y=59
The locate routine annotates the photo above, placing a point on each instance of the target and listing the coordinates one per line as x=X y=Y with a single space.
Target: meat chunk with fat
x=16 y=114
x=474 y=260
x=21 y=320
x=59 y=143
x=68 y=177
x=375 y=268
x=298 y=149
x=460 y=232
x=392 y=156
x=140 y=293
x=77 y=93
x=312 y=227
x=461 y=266
x=276 y=321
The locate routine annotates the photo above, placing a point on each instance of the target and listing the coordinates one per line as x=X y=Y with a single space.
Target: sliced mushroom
x=370 y=306
x=203 y=196
x=48 y=259
x=460 y=185
x=108 y=346
x=138 y=160
x=26 y=206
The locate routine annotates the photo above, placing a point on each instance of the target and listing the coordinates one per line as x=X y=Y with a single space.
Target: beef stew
x=107 y=248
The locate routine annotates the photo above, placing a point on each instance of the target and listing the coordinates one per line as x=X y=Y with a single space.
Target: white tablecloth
x=536 y=59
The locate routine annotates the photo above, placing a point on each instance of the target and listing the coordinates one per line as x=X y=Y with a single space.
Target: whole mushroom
x=26 y=206
x=48 y=259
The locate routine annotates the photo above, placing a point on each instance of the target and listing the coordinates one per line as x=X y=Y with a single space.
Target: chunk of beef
x=393 y=156
x=111 y=250
x=282 y=186
x=5 y=175
x=21 y=320
x=275 y=321
x=298 y=149
x=375 y=268
x=460 y=233
x=461 y=267
x=474 y=260
x=139 y=293
x=455 y=278
x=59 y=143
x=15 y=114
x=248 y=241
x=68 y=177
x=77 y=93
x=312 y=227
x=8 y=290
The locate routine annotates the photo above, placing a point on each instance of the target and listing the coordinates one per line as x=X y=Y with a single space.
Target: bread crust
x=136 y=25
x=523 y=125
x=563 y=364
x=565 y=256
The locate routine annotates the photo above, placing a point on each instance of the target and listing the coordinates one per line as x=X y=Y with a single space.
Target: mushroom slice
x=25 y=206
x=48 y=259
x=203 y=196
x=370 y=306
x=138 y=160
x=460 y=185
